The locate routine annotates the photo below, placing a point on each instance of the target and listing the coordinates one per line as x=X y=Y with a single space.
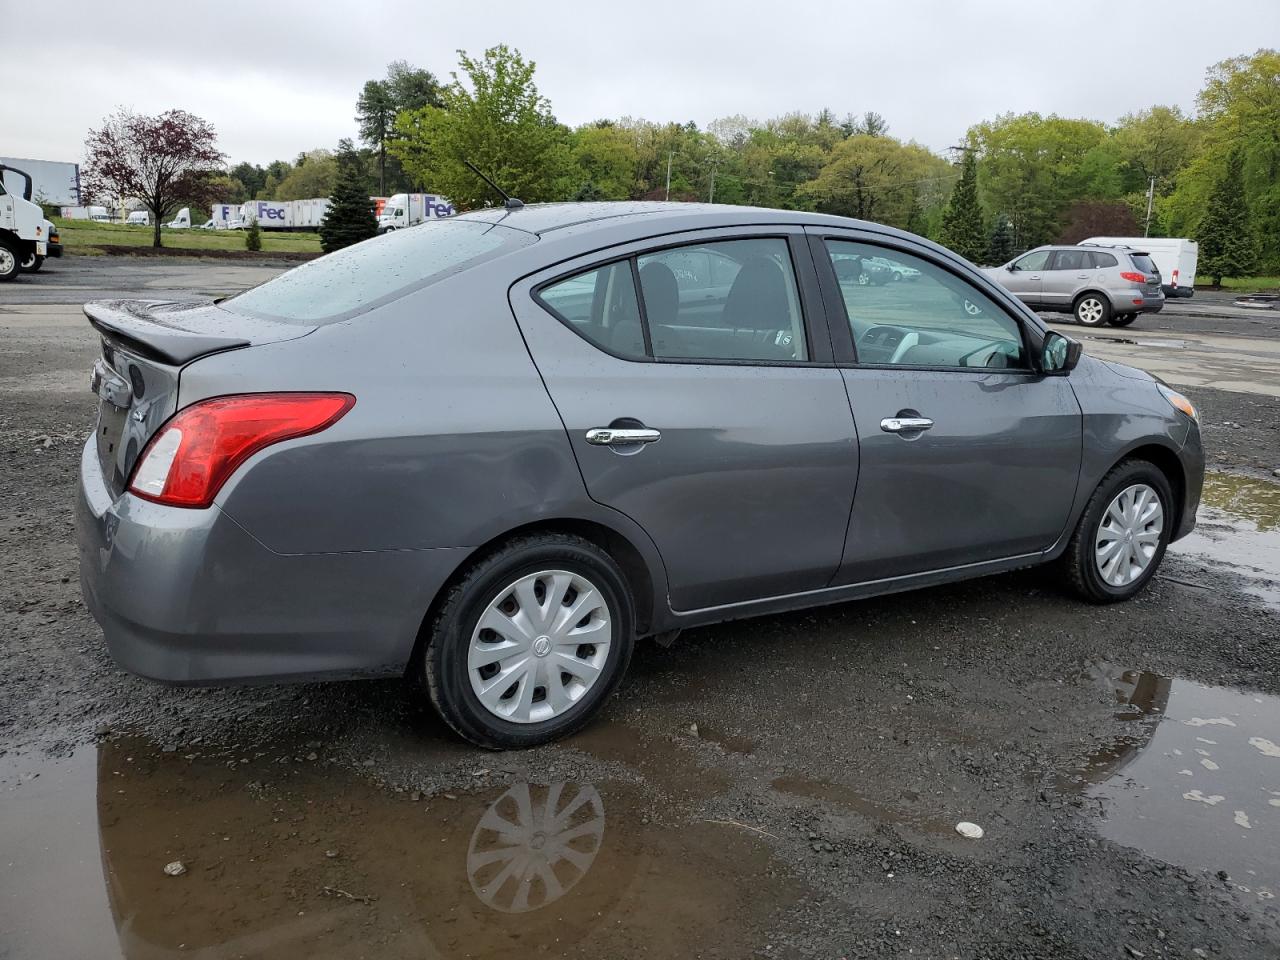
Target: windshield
x=364 y=276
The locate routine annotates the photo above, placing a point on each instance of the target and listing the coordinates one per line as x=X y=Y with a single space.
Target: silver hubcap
x=1090 y=310
x=539 y=646
x=528 y=850
x=7 y=261
x=1129 y=535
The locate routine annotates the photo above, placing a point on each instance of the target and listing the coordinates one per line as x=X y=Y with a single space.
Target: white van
x=139 y=218
x=1175 y=259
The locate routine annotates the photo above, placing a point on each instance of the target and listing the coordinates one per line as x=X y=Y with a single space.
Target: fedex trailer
x=406 y=209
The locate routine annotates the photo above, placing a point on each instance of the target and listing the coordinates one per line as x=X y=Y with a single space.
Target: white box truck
x=407 y=209
x=23 y=231
x=1175 y=259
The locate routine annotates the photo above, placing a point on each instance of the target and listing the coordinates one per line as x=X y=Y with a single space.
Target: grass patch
x=86 y=236
x=1248 y=284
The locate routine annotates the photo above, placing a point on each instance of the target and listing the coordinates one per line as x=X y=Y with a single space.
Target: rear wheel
x=530 y=643
x=1123 y=319
x=1122 y=535
x=10 y=261
x=1092 y=310
x=32 y=264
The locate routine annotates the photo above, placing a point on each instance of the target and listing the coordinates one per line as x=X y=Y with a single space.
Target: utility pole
x=667 y=195
x=1151 y=193
x=711 y=197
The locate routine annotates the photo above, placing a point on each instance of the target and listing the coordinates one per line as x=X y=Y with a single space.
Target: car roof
x=544 y=218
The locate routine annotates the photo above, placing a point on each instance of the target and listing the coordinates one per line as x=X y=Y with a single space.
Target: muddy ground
x=779 y=787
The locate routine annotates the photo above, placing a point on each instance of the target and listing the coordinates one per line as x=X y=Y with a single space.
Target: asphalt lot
x=779 y=787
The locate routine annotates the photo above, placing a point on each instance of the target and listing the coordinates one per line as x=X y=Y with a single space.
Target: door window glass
x=1103 y=260
x=1035 y=260
x=601 y=306
x=915 y=313
x=1073 y=260
x=730 y=300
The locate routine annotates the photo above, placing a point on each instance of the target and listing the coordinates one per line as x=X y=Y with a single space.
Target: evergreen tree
x=253 y=238
x=1228 y=247
x=350 y=216
x=1002 y=247
x=962 y=228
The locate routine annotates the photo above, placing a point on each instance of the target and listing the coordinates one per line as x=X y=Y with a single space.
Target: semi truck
x=23 y=234
x=407 y=209
x=271 y=214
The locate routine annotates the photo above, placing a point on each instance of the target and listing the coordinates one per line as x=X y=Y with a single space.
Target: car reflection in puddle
x=1239 y=530
x=1197 y=781
x=287 y=858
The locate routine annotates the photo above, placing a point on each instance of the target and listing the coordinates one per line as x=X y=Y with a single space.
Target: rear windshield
x=369 y=274
x=1143 y=263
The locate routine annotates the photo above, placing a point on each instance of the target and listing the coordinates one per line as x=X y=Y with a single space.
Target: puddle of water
x=1239 y=528
x=1166 y=343
x=284 y=859
x=1196 y=784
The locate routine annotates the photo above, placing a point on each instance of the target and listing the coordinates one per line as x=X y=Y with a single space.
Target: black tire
x=444 y=660
x=32 y=264
x=10 y=261
x=1091 y=310
x=1123 y=319
x=1079 y=560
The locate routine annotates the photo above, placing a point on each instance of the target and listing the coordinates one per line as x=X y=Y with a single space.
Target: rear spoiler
x=150 y=328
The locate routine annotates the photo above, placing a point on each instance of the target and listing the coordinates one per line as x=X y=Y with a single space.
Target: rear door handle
x=905 y=424
x=622 y=436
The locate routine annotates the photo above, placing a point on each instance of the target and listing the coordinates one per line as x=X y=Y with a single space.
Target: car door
x=717 y=421
x=1068 y=271
x=967 y=454
x=1024 y=277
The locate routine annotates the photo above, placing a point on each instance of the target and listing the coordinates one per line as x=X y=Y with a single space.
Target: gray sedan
x=491 y=452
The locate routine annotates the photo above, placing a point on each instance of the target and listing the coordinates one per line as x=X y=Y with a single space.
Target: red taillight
x=1133 y=277
x=186 y=463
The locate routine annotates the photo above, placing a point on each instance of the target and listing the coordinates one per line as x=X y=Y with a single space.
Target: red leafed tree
x=162 y=161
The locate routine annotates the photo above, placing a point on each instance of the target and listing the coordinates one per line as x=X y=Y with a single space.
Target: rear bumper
x=1178 y=293
x=188 y=596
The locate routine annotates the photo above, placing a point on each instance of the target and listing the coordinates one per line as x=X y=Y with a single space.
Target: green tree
x=962 y=228
x=412 y=88
x=314 y=176
x=606 y=160
x=349 y=218
x=879 y=178
x=496 y=120
x=1227 y=244
x=1155 y=144
x=253 y=237
x=375 y=119
x=1001 y=248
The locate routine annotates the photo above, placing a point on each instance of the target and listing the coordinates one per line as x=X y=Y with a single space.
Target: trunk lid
x=145 y=345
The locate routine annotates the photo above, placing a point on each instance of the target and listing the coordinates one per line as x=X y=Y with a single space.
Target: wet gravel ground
x=786 y=786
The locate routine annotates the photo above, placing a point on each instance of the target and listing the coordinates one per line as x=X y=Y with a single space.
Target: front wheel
x=32 y=264
x=10 y=262
x=1123 y=319
x=1121 y=537
x=530 y=643
x=1092 y=310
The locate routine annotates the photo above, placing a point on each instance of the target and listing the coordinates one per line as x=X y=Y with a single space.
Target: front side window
x=937 y=320
x=728 y=300
x=365 y=275
x=1035 y=260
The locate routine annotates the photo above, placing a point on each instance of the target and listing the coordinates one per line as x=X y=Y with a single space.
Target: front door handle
x=905 y=424
x=621 y=436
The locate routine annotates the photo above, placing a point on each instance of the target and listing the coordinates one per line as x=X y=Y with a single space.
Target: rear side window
x=731 y=300
x=374 y=272
x=1103 y=260
x=1144 y=263
x=1072 y=260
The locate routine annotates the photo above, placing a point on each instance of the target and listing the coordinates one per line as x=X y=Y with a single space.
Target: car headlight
x=1179 y=402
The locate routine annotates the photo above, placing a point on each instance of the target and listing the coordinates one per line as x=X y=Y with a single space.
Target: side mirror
x=1059 y=354
x=1010 y=267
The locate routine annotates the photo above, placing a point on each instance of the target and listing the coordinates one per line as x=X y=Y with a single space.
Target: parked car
x=492 y=451
x=209 y=224
x=1175 y=258
x=1095 y=286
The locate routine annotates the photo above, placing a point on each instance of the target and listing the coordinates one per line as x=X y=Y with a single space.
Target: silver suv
x=1096 y=285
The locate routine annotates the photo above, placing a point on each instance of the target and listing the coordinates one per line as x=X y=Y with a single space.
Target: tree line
x=1016 y=181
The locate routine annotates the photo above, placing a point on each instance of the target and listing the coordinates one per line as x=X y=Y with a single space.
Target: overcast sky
x=276 y=78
